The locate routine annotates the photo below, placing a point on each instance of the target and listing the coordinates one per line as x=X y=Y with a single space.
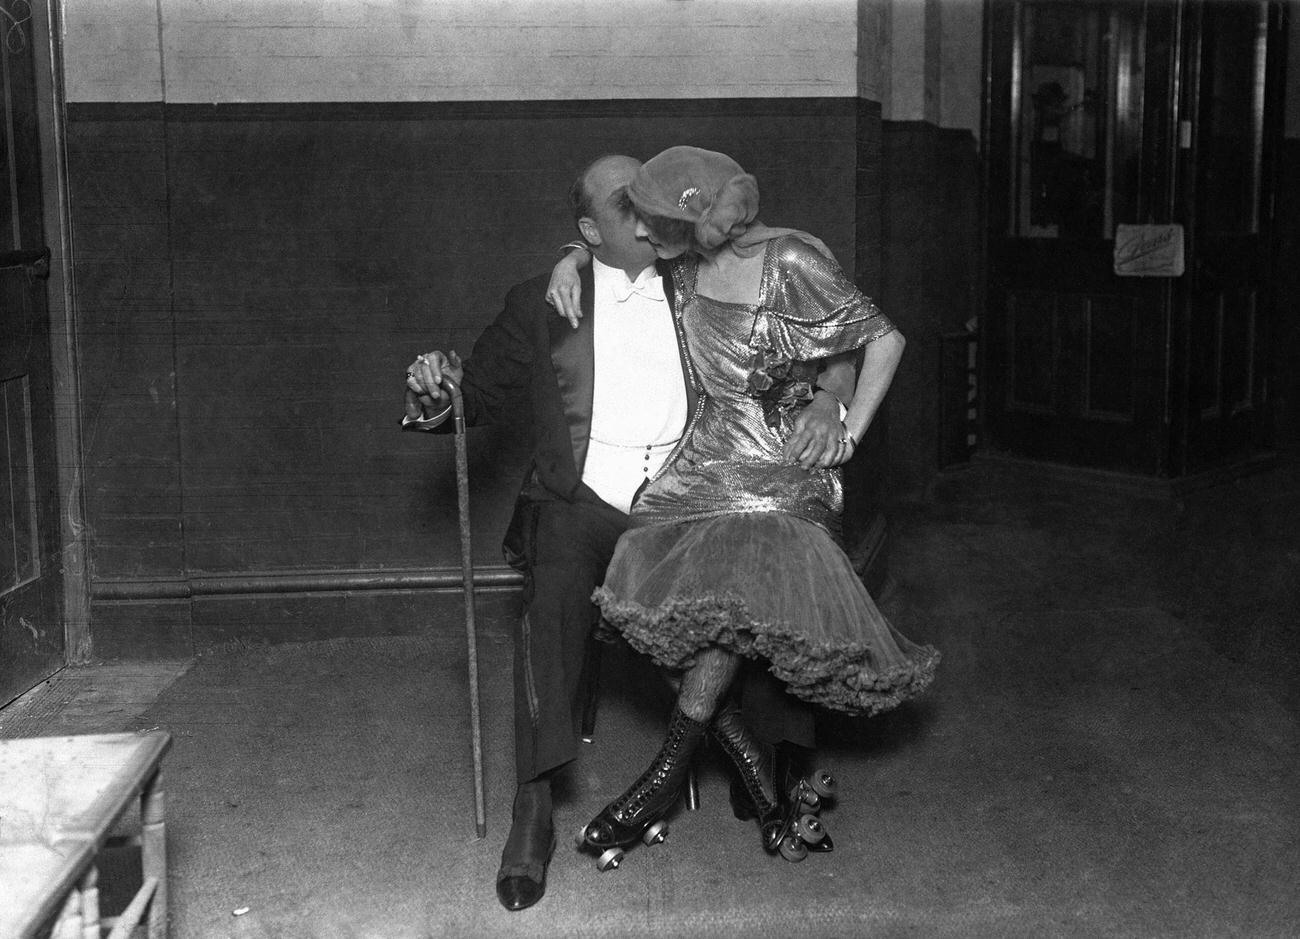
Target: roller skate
x=801 y=831
x=638 y=814
x=767 y=786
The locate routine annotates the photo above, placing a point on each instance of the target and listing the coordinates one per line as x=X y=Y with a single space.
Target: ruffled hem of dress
x=839 y=677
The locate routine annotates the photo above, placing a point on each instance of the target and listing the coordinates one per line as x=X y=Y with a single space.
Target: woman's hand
x=819 y=439
x=424 y=391
x=564 y=292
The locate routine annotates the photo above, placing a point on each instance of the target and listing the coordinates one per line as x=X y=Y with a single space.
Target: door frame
x=51 y=107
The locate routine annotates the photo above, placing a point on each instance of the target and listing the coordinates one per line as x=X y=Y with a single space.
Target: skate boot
x=754 y=794
x=638 y=813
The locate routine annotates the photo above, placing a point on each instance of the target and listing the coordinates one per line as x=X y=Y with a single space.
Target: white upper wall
x=905 y=82
x=931 y=58
x=961 y=63
x=229 y=51
x=873 y=50
x=457 y=50
x=110 y=50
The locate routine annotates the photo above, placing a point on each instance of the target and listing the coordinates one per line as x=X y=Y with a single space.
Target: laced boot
x=753 y=792
x=629 y=816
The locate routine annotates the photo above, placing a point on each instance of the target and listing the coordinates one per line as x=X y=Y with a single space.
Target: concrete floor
x=1110 y=750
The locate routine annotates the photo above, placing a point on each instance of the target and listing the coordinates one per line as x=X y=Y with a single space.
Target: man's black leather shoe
x=521 y=879
x=519 y=886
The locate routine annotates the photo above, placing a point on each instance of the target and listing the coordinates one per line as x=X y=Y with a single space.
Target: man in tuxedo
x=609 y=401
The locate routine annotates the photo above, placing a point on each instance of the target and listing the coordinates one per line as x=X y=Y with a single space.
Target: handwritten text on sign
x=1149 y=250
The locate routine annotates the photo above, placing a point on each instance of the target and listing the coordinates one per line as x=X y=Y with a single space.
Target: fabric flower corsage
x=780 y=384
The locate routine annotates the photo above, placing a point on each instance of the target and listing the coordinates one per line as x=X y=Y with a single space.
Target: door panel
x=1229 y=56
x=1080 y=354
x=20 y=560
x=1111 y=359
x=31 y=628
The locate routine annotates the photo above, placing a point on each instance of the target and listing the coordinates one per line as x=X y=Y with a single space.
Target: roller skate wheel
x=793 y=850
x=609 y=860
x=809 y=828
x=825 y=846
x=655 y=834
x=580 y=837
x=823 y=783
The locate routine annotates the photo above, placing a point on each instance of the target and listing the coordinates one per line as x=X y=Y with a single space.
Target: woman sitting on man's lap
x=734 y=550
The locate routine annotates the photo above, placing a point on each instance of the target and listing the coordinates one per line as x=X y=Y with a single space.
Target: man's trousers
x=566 y=548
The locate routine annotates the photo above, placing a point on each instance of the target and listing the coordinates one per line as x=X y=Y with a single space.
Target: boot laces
x=652 y=781
x=749 y=773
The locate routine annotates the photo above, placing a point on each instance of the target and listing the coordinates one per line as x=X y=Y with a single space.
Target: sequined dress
x=731 y=545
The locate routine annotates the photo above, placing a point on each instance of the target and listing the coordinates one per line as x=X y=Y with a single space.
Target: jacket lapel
x=573 y=356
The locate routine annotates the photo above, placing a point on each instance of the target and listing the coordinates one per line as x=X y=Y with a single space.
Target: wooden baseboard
x=165 y=618
x=298 y=582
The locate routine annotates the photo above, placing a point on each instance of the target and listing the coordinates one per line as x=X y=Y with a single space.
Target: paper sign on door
x=1148 y=250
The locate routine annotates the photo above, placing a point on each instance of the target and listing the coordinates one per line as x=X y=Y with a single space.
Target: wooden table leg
x=153 y=851
x=68 y=924
x=90 y=904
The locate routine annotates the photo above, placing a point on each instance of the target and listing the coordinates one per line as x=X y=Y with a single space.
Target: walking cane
x=467 y=576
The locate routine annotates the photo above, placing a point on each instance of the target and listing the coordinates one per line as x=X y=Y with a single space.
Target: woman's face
x=667 y=243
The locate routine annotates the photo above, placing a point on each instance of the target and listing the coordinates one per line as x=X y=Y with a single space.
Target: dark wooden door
x=1234 y=58
x=1106 y=114
x=31 y=628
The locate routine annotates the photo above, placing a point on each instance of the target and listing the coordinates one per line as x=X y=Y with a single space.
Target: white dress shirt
x=639 y=397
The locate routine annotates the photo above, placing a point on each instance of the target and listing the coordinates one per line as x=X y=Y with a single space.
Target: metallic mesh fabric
x=730 y=460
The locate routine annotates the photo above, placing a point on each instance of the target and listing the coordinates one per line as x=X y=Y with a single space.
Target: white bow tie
x=651 y=289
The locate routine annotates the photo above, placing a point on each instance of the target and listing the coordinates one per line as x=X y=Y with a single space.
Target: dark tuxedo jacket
x=531 y=358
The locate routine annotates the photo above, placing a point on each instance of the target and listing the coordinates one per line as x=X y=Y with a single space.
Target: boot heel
x=743 y=813
x=741 y=806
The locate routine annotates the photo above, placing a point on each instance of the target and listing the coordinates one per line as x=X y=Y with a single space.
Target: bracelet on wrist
x=817 y=388
x=844 y=412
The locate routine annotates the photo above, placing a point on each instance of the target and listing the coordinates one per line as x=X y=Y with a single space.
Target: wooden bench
x=61 y=802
